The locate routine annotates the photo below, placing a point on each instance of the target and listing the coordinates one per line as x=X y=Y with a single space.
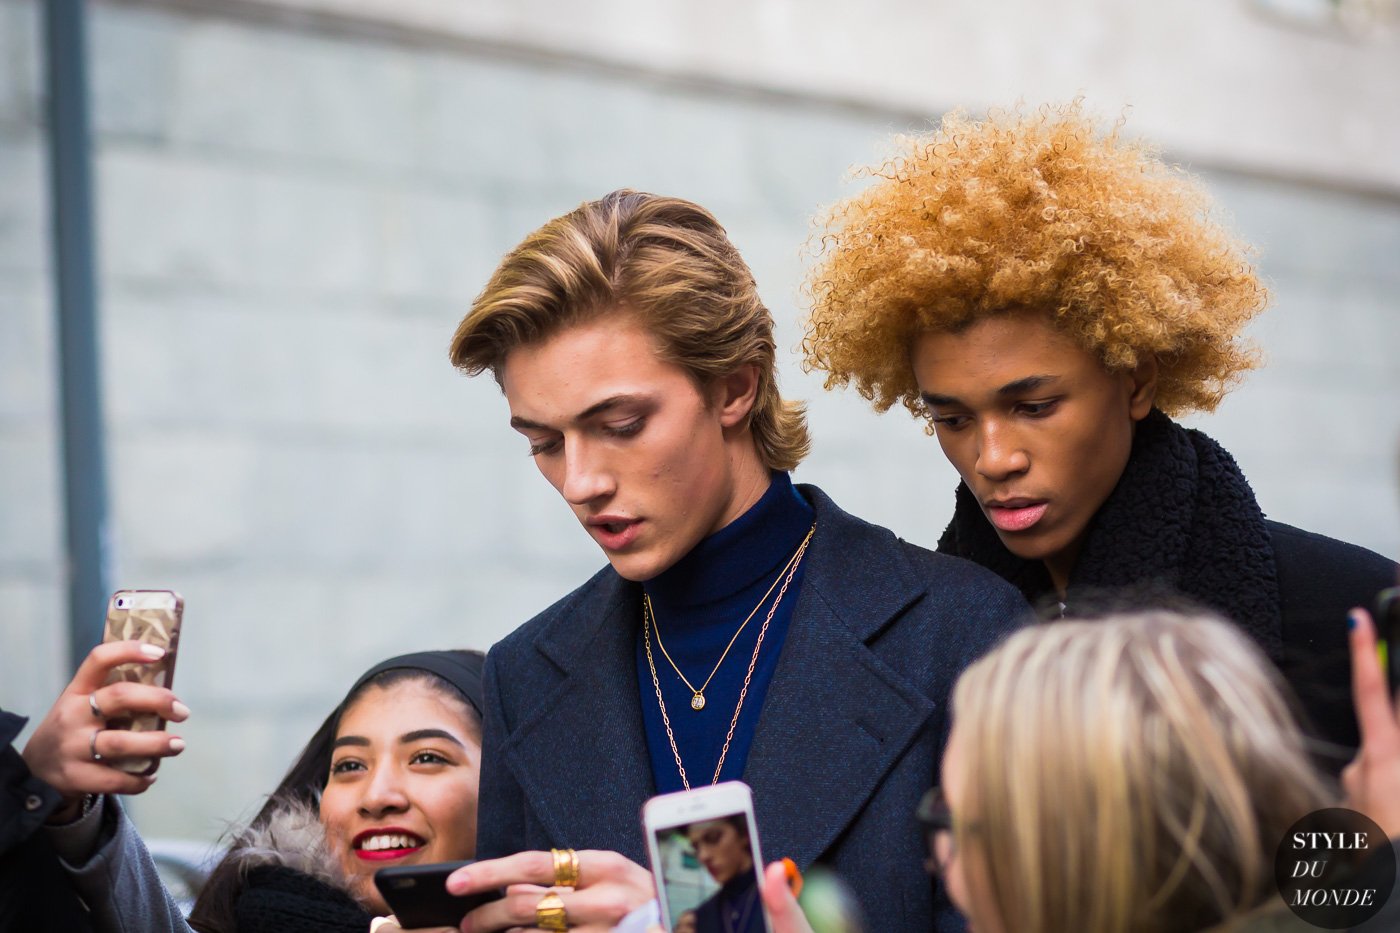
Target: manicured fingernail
x=180 y=712
x=154 y=652
x=177 y=744
x=1351 y=620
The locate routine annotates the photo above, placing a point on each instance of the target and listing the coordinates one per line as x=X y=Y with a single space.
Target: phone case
x=1387 y=618
x=417 y=895
x=153 y=617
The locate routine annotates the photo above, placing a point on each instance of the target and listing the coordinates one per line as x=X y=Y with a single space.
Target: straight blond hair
x=1129 y=773
x=665 y=261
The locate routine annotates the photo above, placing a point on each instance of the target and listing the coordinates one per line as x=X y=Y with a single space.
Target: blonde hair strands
x=666 y=262
x=1129 y=773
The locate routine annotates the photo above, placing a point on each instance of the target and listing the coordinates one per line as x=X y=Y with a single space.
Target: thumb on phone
x=782 y=907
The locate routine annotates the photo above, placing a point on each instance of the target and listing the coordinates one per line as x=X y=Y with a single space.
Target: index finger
x=92 y=673
x=1374 y=714
x=490 y=874
x=512 y=912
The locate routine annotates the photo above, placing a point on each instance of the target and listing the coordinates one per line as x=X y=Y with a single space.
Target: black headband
x=462 y=669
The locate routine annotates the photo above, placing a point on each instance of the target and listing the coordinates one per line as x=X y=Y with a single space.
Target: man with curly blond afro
x=1047 y=295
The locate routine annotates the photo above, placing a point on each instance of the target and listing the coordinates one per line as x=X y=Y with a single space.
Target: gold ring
x=565 y=868
x=92 y=705
x=550 y=913
x=92 y=745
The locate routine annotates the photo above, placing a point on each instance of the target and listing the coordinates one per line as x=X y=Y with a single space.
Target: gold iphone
x=153 y=617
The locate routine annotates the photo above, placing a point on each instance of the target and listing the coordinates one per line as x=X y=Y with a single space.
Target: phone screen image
x=417 y=895
x=710 y=875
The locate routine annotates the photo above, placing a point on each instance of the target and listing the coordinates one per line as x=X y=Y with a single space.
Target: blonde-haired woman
x=1135 y=773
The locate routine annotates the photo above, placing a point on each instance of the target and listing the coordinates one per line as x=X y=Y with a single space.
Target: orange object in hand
x=794 y=877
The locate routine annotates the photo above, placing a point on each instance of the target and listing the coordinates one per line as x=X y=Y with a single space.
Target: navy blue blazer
x=851 y=734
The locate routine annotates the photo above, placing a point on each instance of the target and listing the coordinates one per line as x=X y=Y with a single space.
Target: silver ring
x=92 y=705
x=92 y=745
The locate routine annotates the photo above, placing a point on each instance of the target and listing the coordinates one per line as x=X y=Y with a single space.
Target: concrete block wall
x=33 y=639
x=1317 y=429
x=291 y=225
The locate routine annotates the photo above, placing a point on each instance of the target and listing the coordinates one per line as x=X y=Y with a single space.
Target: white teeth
x=389 y=841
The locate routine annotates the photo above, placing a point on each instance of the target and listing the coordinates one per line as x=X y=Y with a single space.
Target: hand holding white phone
x=706 y=860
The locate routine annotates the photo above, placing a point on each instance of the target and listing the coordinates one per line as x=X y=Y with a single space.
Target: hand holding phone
x=606 y=888
x=706 y=860
x=417 y=895
x=73 y=748
x=1372 y=780
x=151 y=617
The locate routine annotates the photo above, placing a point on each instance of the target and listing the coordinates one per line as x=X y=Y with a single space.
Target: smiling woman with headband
x=390 y=778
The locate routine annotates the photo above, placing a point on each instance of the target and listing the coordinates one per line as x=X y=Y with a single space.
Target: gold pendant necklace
x=697 y=694
x=649 y=622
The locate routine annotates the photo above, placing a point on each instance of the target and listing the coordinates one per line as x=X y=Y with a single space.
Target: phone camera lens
x=121 y=603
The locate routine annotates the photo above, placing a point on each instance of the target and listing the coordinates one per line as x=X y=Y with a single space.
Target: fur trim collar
x=294 y=838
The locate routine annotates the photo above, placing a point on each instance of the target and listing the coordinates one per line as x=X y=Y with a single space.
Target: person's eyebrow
x=419 y=735
x=597 y=408
x=1013 y=388
x=358 y=741
x=1028 y=384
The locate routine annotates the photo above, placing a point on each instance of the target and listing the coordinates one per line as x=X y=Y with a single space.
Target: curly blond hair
x=1036 y=210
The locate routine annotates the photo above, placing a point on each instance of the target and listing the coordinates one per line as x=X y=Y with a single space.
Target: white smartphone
x=706 y=860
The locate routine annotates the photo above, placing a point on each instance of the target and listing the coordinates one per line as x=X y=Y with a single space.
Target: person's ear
x=735 y=394
x=1144 y=388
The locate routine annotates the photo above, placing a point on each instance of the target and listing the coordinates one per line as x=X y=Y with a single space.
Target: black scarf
x=278 y=899
x=1181 y=527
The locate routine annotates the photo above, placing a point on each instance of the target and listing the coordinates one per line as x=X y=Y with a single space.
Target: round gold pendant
x=697 y=702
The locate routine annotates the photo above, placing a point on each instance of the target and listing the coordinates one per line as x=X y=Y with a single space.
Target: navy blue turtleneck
x=699 y=603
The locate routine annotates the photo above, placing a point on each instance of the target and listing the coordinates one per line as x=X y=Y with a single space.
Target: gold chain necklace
x=697 y=698
x=649 y=621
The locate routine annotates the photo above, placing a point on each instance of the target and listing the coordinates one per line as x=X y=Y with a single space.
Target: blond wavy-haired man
x=743 y=628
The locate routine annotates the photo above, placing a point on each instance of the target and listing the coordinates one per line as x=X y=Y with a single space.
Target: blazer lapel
x=836 y=718
x=581 y=757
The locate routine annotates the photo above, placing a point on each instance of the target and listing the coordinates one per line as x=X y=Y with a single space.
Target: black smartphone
x=1386 y=614
x=417 y=895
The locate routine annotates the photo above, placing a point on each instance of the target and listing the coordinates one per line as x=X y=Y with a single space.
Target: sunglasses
x=936 y=821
